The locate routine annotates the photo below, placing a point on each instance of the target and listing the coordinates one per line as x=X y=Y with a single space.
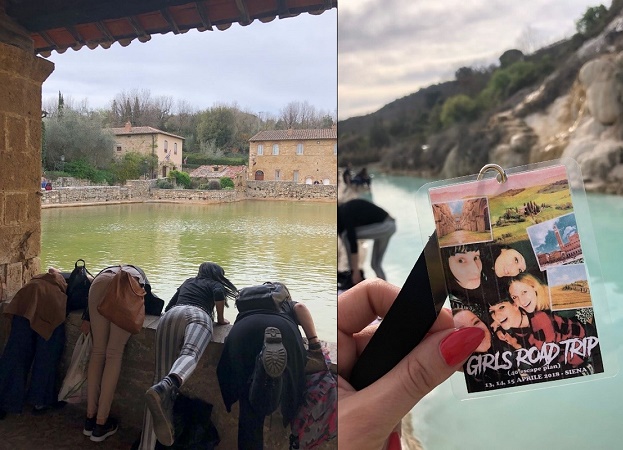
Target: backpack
x=78 y=284
x=316 y=420
x=267 y=296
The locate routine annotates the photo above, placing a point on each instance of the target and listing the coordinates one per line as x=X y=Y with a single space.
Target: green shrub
x=181 y=178
x=214 y=185
x=164 y=184
x=459 y=108
x=227 y=183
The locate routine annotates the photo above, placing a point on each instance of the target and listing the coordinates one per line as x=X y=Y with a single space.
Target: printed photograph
x=556 y=242
x=462 y=222
x=569 y=287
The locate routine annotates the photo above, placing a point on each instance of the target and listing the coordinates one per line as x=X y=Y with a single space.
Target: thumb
x=428 y=365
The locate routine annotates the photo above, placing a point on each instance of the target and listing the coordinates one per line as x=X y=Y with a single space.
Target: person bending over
x=361 y=219
x=182 y=336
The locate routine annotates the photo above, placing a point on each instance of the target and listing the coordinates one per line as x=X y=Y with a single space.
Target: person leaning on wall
x=183 y=334
x=263 y=363
x=109 y=342
x=35 y=344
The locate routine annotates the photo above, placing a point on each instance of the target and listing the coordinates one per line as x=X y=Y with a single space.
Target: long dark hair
x=213 y=271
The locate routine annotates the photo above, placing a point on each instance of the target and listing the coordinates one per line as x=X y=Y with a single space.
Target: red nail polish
x=459 y=344
x=393 y=443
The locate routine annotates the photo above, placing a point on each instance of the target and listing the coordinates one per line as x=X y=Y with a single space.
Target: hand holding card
x=367 y=418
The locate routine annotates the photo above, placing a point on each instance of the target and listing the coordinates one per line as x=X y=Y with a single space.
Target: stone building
x=298 y=156
x=150 y=141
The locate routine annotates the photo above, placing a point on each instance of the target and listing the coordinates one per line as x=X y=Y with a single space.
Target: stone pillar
x=21 y=75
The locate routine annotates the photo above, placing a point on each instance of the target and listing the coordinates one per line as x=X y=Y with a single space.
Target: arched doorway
x=259 y=175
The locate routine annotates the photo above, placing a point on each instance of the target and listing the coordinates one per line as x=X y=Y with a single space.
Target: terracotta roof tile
x=296 y=135
x=141 y=130
x=62 y=24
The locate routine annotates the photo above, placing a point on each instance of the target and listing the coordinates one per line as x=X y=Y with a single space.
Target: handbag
x=124 y=302
x=74 y=387
x=78 y=284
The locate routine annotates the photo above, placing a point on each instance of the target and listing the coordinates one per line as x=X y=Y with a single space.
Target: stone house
x=150 y=141
x=299 y=156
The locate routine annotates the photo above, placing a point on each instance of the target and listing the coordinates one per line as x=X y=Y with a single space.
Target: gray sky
x=262 y=67
x=392 y=48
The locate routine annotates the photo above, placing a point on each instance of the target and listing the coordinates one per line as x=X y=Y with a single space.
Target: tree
x=216 y=127
x=132 y=166
x=592 y=20
x=140 y=109
x=73 y=136
x=459 y=108
x=530 y=40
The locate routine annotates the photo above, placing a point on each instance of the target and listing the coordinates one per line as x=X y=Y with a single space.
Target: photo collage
x=513 y=264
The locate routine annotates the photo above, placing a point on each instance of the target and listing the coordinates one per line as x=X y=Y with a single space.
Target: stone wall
x=86 y=194
x=21 y=77
x=144 y=190
x=287 y=190
x=192 y=195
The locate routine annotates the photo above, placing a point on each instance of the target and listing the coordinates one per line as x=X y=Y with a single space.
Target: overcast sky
x=392 y=48
x=262 y=67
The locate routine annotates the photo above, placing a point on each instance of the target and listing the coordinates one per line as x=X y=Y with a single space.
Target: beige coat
x=42 y=301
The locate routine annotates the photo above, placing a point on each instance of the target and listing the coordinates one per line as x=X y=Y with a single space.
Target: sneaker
x=89 y=424
x=274 y=355
x=160 y=399
x=101 y=432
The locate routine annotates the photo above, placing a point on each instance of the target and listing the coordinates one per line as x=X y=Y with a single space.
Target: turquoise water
x=577 y=416
x=254 y=241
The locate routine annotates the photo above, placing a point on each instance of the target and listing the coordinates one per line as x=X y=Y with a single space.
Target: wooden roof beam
x=167 y=16
x=206 y=23
x=46 y=37
x=245 y=19
x=108 y=38
x=77 y=37
x=143 y=36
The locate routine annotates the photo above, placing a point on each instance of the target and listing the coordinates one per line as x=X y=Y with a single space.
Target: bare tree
x=290 y=115
x=530 y=40
x=140 y=109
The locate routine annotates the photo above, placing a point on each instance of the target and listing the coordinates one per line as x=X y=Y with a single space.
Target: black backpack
x=268 y=296
x=78 y=284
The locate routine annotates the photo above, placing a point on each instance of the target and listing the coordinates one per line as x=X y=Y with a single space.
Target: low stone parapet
x=85 y=194
x=195 y=196
x=289 y=190
x=145 y=191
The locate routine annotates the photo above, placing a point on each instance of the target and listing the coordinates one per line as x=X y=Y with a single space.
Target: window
x=299 y=149
x=175 y=148
x=260 y=149
x=335 y=149
x=295 y=178
x=166 y=146
x=277 y=175
x=275 y=149
x=118 y=148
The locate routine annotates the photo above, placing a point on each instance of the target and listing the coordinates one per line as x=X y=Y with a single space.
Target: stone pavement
x=59 y=429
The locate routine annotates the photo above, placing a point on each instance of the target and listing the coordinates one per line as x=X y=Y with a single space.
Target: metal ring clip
x=501 y=176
